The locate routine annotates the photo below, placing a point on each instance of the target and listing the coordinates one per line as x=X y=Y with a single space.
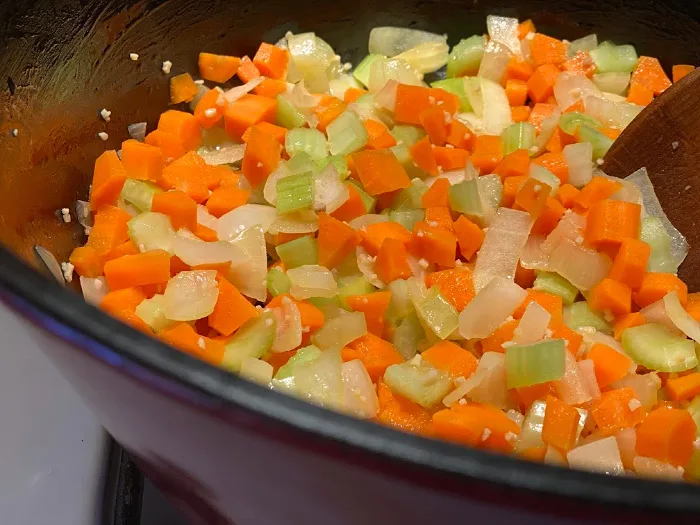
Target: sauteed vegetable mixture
x=427 y=240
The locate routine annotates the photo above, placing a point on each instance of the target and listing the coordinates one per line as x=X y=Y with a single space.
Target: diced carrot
x=223 y=200
x=527 y=395
x=520 y=113
x=469 y=236
x=460 y=136
x=182 y=88
x=627 y=321
x=650 y=74
x=232 y=309
x=693 y=305
x=598 y=189
x=615 y=410
x=87 y=261
x=141 y=161
x=610 y=295
x=187 y=174
x=547 y=50
x=580 y=64
x=503 y=334
x=374 y=352
x=539 y=112
x=423 y=155
x=184 y=126
x=468 y=425
x=351 y=208
x=179 y=206
x=434 y=244
x=336 y=241
x=487 y=154
x=392 y=261
x=411 y=101
x=352 y=94
x=311 y=317
x=437 y=194
x=206 y=234
x=640 y=94
x=610 y=222
x=210 y=108
x=433 y=121
x=560 y=425
x=270 y=88
x=540 y=86
x=221 y=268
x=271 y=61
x=556 y=163
x=567 y=195
x=135 y=270
x=683 y=388
x=526 y=28
x=374 y=306
x=611 y=133
x=630 y=263
x=247 y=111
x=549 y=217
x=278 y=132
x=450 y=158
x=516 y=91
x=680 y=71
x=168 y=143
x=107 y=180
x=667 y=434
x=445 y=100
x=401 y=413
x=451 y=358
x=378 y=135
x=122 y=305
x=561 y=331
x=328 y=109
x=385 y=200
x=456 y=285
x=655 y=285
x=532 y=196
x=279 y=360
x=380 y=171
x=510 y=189
x=550 y=302
x=515 y=164
x=518 y=69
x=439 y=217
x=109 y=229
x=262 y=155
x=374 y=235
x=609 y=364
x=524 y=277
x=217 y=68
x=247 y=71
x=183 y=337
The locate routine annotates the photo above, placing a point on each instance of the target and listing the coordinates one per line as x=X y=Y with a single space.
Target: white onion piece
x=237 y=92
x=338 y=86
x=287 y=327
x=502 y=246
x=359 y=394
x=646 y=387
x=294 y=223
x=652 y=206
x=570 y=227
x=582 y=267
x=313 y=61
x=572 y=388
x=231 y=224
x=570 y=88
x=542 y=174
x=587 y=370
x=463 y=387
x=612 y=114
x=579 y=159
x=612 y=97
x=653 y=468
x=384 y=69
x=83 y=214
x=426 y=57
x=201 y=91
x=682 y=319
x=391 y=41
x=205 y=218
x=493 y=64
x=367 y=220
x=137 y=131
x=194 y=252
x=615 y=83
x=488 y=382
x=51 y=263
x=301 y=98
x=547 y=129
x=504 y=30
x=656 y=313
x=329 y=191
x=94 y=289
x=256 y=370
x=601 y=456
x=190 y=295
x=629 y=191
x=312 y=280
x=532 y=256
x=386 y=97
x=417 y=270
x=365 y=263
x=533 y=324
x=553 y=457
x=227 y=154
x=320 y=381
x=250 y=275
x=627 y=443
x=490 y=308
x=497 y=115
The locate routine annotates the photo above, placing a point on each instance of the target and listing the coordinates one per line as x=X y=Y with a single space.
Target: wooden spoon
x=665 y=139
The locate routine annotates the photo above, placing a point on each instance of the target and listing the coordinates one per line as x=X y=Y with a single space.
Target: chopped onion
x=83 y=214
x=338 y=86
x=653 y=468
x=250 y=276
x=570 y=227
x=629 y=191
x=504 y=30
x=493 y=64
x=582 y=267
x=680 y=317
x=612 y=114
x=340 y=331
x=601 y=456
x=391 y=41
x=579 y=158
x=288 y=327
x=646 y=387
x=237 y=92
x=615 y=83
x=301 y=98
x=320 y=381
x=416 y=269
x=502 y=246
x=194 y=252
x=587 y=371
x=50 y=263
x=627 y=443
x=256 y=370
x=497 y=115
x=488 y=383
x=201 y=91
x=426 y=57
x=226 y=154
x=384 y=69
x=570 y=88
x=656 y=313
x=542 y=174
x=553 y=457
x=547 y=129
x=365 y=263
x=137 y=131
x=490 y=307
x=312 y=280
x=94 y=289
x=367 y=220
x=329 y=191
x=531 y=428
x=231 y=224
x=572 y=388
x=313 y=61
x=532 y=325
x=386 y=97
x=190 y=295
x=300 y=222
x=532 y=256
x=205 y=218
x=359 y=394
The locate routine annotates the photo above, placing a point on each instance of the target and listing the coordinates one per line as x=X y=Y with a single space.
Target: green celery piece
x=300 y=162
x=151 y=312
x=438 y=314
x=408 y=334
x=152 y=230
x=655 y=235
x=536 y=363
x=252 y=339
x=400 y=304
x=361 y=71
x=422 y=384
x=490 y=189
x=298 y=252
x=610 y=58
x=555 y=284
x=307 y=140
x=586 y=43
x=353 y=285
x=367 y=199
x=287 y=115
x=407 y=218
x=520 y=135
x=403 y=155
x=456 y=87
x=410 y=198
x=303 y=355
x=465 y=57
x=295 y=193
x=601 y=143
x=409 y=135
x=655 y=347
x=341 y=330
x=545 y=176
x=277 y=282
x=339 y=163
x=568 y=122
x=465 y=199
x=346 y=134
x=579 y=314
x=139 y=193
x=328 y=305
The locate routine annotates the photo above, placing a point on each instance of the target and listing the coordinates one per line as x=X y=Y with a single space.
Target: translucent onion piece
x=391 y=41
x=532 y=325
x=570 y=227
x=227 y=154
x=250 y=276
x=502 y=246
x=288 y=327
x=205 y=218
x=587 y=371
x=599 y=456
x=365 y=263
x=582 y=267
x=201 y=91
x=545 y=176
x=532 y=256
x=320 y=381
x=329 y=191
x=504 y=30
x=386 y=97
x=656 y=313
x=579 y=158
x=570 y=88
x=196 y=251
x=653 y=468
x=652 y=206
x=367 y=220
x=627 y=442
x=489 y=385
x=572 y=388
x=490 y=308
x=359 y=394
x=628 y=193
x=494 y=62
x=313 y=61
x=83 y=214
x=612 y=114
x=231 y=224
x=680 y=317
x=301 y=98
x=256 y=370
x=426 y=57
x=615 y=83
x=237 y=92
x=382 y=70
x=94 y=289
x=50 y=263
x=338 y=86
x=340 y=331
x=302 y=222
x=312 y=281
x=137 y=131
x=553 y=457
x=191 y=295
x=531 y=429
x=547 y=129
x=645 y=386
x=497 y=115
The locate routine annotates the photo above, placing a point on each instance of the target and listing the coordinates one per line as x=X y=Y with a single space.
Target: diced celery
x=410 y=198
x=655 y=347
x=287 y=115
x=139 y=193
x=339 y=163
x=361 y=71
x=438 y=314
x=329 y=307
x=587 y=43
x=456 y=87
x=355 y=285
x=579 y=315
x=341 y=330
x=367 y=199
x=295 y=193
x=520 y=135
x=152 y=231
x=151 y=312
x=300 y=162
x=346 y=134
x=422 y=384
x=303 y=355
x=400 y=305
x=655 y=235
x=535 y=363
x=409 y=135
x=408 y=335
x=610 y=58
x=310 y=141
x=252 y=339
x=465 y=57
x=465 y=199
x=490 y=189
x=403 y=154
x=256 y=370
x=298 y=252
x=555 y=284
x=407 y=218
x=277 y=282
x=568 y=122
x=601 y=143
